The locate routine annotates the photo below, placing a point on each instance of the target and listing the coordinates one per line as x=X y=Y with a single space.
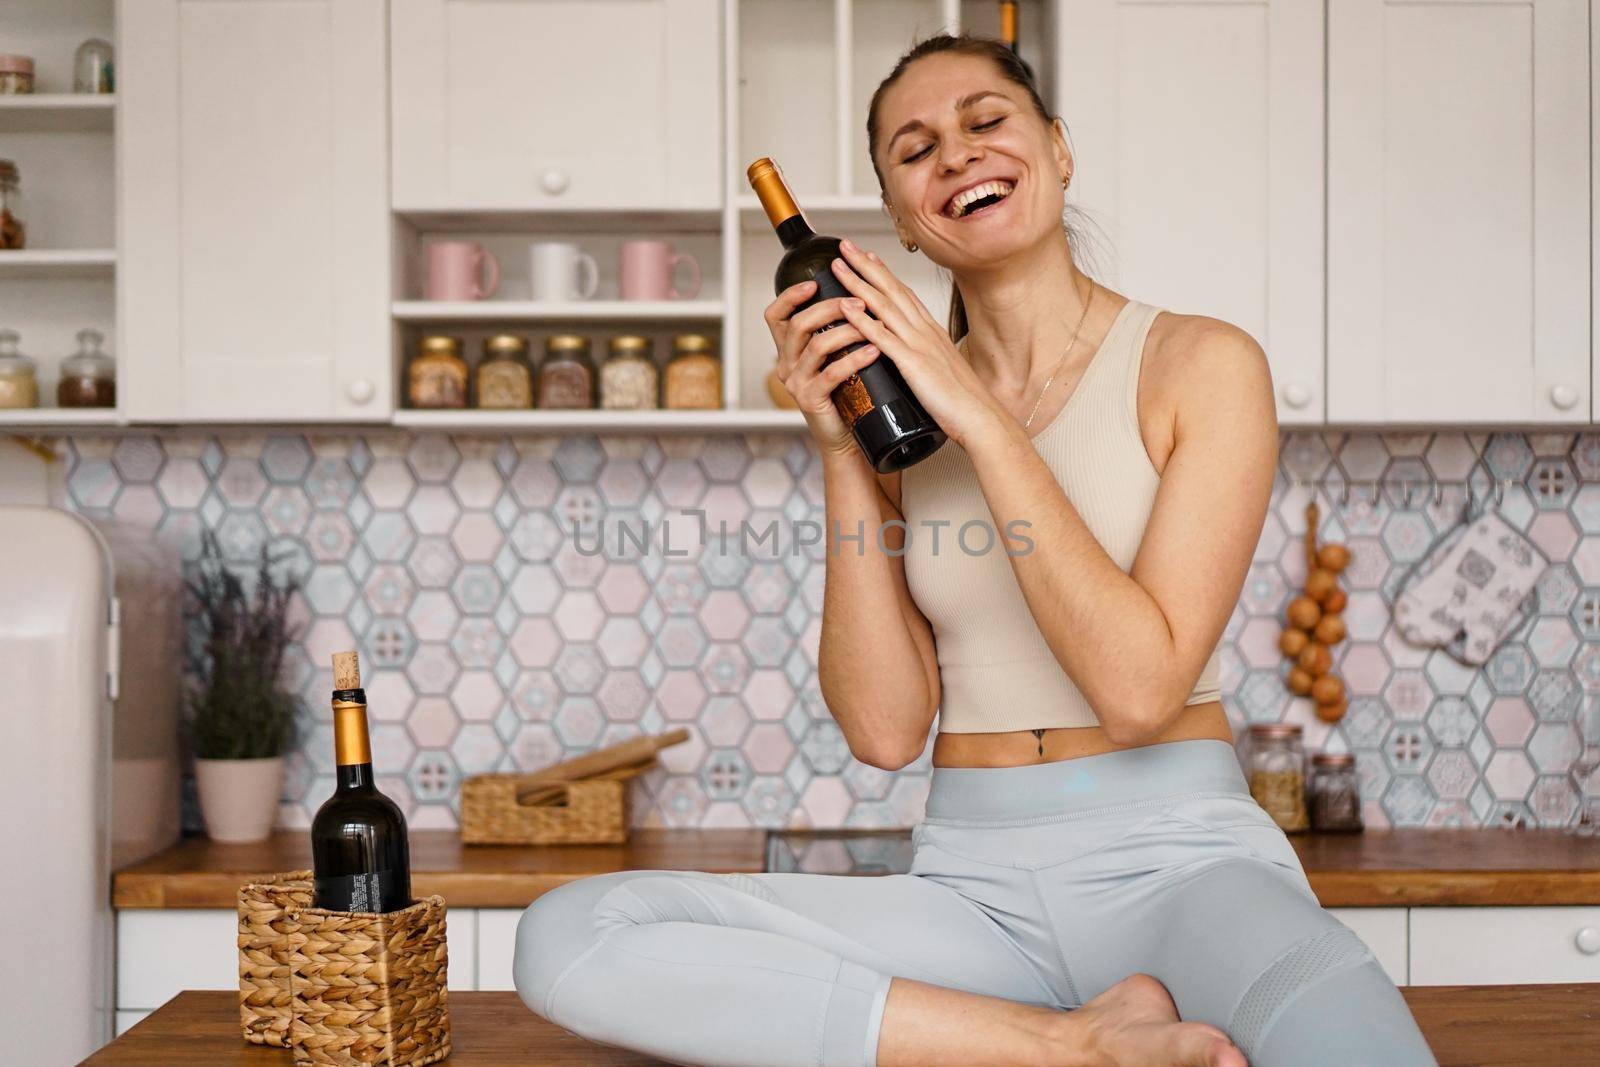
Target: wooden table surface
x=1377 y=868
x=1480 y=1026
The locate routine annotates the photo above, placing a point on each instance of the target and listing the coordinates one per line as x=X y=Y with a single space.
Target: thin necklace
x=1070 y=345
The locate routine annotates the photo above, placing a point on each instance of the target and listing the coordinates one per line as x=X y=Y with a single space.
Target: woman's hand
x=905 y=330
x=803 y=345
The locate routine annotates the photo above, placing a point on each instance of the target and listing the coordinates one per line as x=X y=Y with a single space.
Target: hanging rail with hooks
x=1405 y=486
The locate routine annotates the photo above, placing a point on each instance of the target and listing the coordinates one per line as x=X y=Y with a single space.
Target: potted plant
x=241 y=717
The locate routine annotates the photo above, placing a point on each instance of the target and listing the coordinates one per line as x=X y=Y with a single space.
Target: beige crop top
x=996 y=672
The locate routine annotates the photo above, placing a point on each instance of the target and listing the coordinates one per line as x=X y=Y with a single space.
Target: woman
x=1091 y=867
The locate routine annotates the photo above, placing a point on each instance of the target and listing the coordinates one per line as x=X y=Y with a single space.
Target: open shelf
x=53 y=418
x=549 y=220
x=601 y=421
x=57 y=112
x=58 y=263
x=579 y=310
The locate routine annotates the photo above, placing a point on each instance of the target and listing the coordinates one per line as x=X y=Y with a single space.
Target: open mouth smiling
x=978 y=198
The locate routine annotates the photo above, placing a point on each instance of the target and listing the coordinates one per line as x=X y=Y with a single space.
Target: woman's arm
x=1135 y=643
x=875 y=664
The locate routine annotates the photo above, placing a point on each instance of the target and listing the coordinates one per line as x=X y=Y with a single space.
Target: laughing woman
x=1091 y=868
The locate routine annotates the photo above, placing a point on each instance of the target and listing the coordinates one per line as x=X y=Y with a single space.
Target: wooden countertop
x=1481 y=1026
x=1379 y=868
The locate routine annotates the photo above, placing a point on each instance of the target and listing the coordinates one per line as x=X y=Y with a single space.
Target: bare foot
x=1135 y=1024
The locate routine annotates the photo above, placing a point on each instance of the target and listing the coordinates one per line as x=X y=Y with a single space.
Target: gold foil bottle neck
x=773 y=192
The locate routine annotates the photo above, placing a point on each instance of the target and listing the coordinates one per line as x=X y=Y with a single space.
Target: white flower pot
x=239 y=797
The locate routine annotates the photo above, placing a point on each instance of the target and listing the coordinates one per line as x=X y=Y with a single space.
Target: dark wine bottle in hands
x=360 y=853
x=886 y=418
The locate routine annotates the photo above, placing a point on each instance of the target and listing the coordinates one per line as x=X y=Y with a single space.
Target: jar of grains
x=505 y=379
x=437 y=377
x=1277 y=773
x=88 y=376
x=628 y=377
x=694 y=374
x=16 y=75
x=1335 y=794
x=13 y=235
x=19 y=381
x=566 y=374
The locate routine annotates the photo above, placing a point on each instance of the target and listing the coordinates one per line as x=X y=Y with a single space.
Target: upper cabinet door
x=557 y=103
x=1197 y=131
x=1458 y=211
x=252 y=208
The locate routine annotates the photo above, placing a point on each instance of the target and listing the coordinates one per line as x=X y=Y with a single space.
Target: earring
x=909 y=246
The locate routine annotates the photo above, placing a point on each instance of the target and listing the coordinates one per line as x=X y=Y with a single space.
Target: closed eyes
x=980 y=127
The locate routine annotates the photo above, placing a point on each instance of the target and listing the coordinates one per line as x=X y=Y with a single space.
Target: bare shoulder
x=1196 y=361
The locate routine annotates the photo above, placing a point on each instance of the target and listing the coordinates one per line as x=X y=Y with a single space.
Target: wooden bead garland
x=1315 y=624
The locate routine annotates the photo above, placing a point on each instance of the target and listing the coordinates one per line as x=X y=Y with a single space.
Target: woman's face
x=971 y=173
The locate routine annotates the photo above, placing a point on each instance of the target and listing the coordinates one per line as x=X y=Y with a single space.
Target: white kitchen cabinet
x=1458 y=211
x=1493 y=946
x=127 y=1019
x=557 y=104
x=1197 y=129
x=161 y=952
x=1384 y=932
x=254 y=229
x=497 y=943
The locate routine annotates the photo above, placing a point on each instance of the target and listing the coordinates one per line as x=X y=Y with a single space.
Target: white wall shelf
x=57 y=113
x=557 y=219
x=600 y=421
x=490 y=311
x=58 y=263
x=57 y=418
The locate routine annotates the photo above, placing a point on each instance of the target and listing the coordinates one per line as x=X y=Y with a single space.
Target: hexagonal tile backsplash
x=499 y=635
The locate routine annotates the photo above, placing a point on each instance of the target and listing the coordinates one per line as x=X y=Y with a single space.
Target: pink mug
x=454 y=270
x=647 y=269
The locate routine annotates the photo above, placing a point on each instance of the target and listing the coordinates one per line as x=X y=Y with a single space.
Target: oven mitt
x=1472 y=586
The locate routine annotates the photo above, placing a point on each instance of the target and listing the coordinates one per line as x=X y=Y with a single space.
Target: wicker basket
x=342 y=988
x=591 y=812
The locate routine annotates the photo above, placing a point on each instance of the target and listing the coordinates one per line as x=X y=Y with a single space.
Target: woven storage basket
x=593 y=812
x=362 y=989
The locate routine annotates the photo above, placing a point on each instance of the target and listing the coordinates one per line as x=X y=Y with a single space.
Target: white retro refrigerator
x=90 y=633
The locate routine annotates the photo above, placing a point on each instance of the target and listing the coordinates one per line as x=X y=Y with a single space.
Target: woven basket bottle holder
x=592 y=812
x=340 y=987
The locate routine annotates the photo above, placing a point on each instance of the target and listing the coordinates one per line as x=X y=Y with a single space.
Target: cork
x=346 y=671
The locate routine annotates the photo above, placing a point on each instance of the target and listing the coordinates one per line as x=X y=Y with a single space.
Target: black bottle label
x=369 y=891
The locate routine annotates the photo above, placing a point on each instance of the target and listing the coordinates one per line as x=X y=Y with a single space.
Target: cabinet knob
x=1588 y=940
x=1563 y=396
x=359 y=390
x=554 y=182
x=1296 y=395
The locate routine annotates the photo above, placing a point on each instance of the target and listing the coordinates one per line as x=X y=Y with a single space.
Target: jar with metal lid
x=16 y=75
x=628 y=377
x=88 y=376
x=1277 y=773
x=13 y=234
x=566 y=377
x=19 y=378
x=437 y=377
x=1335 y=794
x=505 y=378
x=693 y=374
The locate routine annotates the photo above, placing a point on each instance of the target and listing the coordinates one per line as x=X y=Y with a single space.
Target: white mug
x=563 y=271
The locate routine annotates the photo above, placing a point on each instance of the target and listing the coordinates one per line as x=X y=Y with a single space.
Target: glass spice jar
x=693 y=374
x=92 y=67
x=88 y=376
x=13 y=234
x=505 y=379
x=628 y=377
x=437 y=377
x=19 y=379
x=16 y=75
x=1277 y=774
x=1335 y=794
x=566 y=376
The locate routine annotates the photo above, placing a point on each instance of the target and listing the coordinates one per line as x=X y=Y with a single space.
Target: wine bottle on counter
x=359 y=851
x=889 y=423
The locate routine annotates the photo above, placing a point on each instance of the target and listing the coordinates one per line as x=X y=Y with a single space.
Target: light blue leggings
x=1045 y=883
